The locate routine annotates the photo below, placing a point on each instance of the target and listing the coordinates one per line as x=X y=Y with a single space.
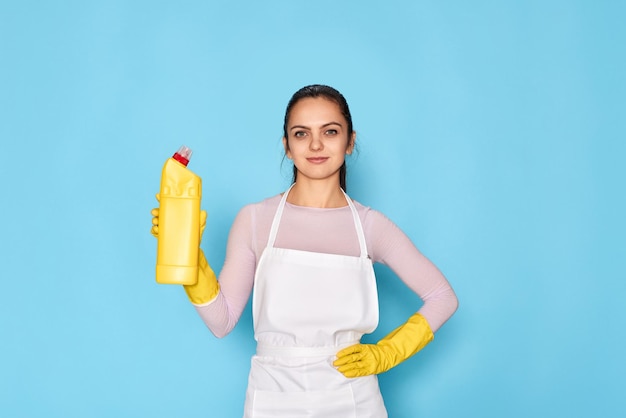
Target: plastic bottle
x=179 y=221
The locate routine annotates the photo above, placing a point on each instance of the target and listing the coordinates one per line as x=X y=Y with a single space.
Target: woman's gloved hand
x=399 y=345
x=207 y=287
x=155 y=221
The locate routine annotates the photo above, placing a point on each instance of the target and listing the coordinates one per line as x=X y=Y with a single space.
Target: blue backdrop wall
x=492 y=132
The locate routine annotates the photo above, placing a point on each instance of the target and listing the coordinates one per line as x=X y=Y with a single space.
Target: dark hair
x=329 y=93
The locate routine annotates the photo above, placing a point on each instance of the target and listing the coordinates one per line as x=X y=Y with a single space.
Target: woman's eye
x=299 y=134
x=331 y=132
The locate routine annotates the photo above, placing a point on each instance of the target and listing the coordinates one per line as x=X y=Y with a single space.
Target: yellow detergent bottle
x=179 y=221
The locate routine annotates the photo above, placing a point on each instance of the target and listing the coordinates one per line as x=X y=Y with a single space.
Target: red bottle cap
x=183 y=155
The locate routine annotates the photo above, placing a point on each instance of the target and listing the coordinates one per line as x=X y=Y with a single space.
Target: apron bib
x=307 y=306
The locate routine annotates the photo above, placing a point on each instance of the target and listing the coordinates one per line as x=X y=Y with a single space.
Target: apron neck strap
x=357 y=225
x=277 y=216
x=355 y=215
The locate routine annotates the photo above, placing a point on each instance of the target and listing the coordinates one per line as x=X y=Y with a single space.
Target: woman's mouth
x=317 y=160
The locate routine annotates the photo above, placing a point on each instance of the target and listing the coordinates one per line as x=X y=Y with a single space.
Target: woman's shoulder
x=256 y=214
x=367 y=212
x=262 y=207
x=373 y=219
x=268 y=202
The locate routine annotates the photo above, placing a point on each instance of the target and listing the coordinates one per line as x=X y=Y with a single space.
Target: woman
x=308 y=254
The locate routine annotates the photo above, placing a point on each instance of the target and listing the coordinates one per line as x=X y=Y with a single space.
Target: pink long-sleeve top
x=325 y=230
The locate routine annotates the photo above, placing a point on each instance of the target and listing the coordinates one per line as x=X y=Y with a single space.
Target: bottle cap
x=183 y=155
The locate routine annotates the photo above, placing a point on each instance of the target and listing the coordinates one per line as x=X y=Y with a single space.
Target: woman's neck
x=317 y=194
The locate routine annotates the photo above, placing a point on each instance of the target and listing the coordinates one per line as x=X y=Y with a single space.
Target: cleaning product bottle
x=179 y=221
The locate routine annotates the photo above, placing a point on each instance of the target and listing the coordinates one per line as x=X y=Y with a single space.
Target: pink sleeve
x=390 y=246
x=236 y=278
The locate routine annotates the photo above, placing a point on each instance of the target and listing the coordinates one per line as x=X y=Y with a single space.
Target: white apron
x=306 y=306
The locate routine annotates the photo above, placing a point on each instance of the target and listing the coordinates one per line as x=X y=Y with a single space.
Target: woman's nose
x=316 y=143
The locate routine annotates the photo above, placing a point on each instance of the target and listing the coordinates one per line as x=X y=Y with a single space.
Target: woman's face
x=317 y=138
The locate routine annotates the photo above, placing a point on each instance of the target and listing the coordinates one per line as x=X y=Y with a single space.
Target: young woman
x=307 y=256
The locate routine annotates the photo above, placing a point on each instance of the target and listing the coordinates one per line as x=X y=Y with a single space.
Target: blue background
x=491 y=132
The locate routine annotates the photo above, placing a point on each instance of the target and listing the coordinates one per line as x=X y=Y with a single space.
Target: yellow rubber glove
x=207 y=287
x=399 y=345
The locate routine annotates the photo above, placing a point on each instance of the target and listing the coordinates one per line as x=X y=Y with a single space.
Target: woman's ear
x=351 y=143
x=286 y=146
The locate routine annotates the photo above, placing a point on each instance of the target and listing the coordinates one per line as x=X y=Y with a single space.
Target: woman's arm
x=236 y=278
x=390 y=246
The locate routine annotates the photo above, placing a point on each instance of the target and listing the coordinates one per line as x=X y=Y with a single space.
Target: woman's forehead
x=315 y=110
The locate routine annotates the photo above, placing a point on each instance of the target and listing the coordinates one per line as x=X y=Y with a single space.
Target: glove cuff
x=207 y=288
x=407 y=339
